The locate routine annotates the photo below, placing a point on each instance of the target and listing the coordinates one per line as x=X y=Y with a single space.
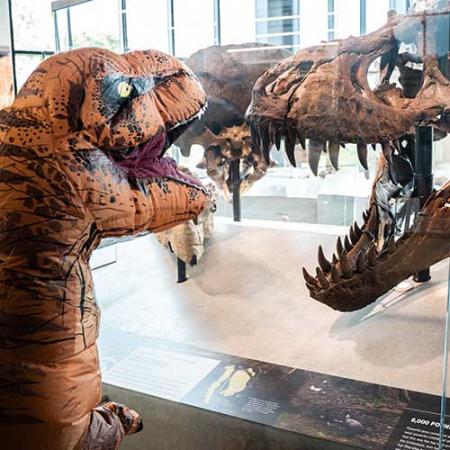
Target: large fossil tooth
x=353 y=235
x=346 y=265
x=334 y=274
x=274 y=135
x=361 y=262
x=255 y=135
x=315 y=151
x=372 y=255
x=290 y=148
x=278 y=139
x=265 y=138
x=365 y=215
x=387 y=151
x=292 y=133
x=308 y=278
x=362 y=155
x=333 y=154
x=358 y=231
x=347 y=244
x=302 y=140
x=322 y=278
x=339 y=247
x=335 y=259
x=323 y=262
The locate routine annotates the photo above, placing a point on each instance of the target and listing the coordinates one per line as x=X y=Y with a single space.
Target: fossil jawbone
x=360 y=274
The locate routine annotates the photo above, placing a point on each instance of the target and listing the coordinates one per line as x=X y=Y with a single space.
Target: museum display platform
x=279 y=370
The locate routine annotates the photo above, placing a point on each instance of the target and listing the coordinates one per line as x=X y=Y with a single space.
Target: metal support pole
x=235 y=183
x=423 y=177
x=69 y=30
x=123 y=22
x=217 y=30
x=362 y=17
x=56 y=30
x=171 y=26
x=181 y=267
x=12 y=46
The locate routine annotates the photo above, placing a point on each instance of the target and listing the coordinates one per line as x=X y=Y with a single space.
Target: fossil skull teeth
x=322 y=95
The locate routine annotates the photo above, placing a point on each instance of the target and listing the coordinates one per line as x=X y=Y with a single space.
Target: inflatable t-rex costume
x=80 y=159
x=322 y=94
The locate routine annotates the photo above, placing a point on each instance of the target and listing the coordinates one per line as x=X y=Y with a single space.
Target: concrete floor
x=246 y=297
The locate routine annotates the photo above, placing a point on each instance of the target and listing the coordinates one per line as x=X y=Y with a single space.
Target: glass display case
x=247 y=352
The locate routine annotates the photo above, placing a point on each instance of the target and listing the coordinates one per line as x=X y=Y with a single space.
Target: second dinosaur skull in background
x=228 y=74
x=323 y=94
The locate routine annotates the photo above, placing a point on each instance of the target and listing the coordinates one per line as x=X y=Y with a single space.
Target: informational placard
x=419 y=430
x=163 y=373
x=353 y=414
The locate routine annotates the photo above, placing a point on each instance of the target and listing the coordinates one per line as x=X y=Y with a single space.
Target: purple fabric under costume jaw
x=146 y=162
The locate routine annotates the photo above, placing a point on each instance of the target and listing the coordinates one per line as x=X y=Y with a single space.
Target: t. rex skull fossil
x=323 y=94
x=228 y=74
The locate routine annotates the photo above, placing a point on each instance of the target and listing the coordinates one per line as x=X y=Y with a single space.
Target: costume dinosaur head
x=323 y=94
x=228 y=74
x=132 y=106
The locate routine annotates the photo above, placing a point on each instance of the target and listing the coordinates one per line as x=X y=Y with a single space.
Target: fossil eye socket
x=291 y=77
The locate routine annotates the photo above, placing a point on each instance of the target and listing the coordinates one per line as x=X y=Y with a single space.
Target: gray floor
x=247 y=297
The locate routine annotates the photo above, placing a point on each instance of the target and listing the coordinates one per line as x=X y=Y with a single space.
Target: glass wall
x=78 y=26
x=151 y=32
x=250 y=281
x=189 y=17
x=33 y=35
x=285 y=193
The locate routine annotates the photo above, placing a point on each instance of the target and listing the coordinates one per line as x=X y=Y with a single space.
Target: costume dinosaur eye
x=124 y=89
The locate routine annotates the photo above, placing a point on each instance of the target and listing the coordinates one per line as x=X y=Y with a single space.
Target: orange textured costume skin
x=61 y=191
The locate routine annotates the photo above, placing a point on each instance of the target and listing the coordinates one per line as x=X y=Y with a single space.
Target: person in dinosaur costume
x=80 y=159
x=227 y=74
x=322 y=94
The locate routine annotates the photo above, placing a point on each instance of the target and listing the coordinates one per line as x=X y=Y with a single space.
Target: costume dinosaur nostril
x=65 y=182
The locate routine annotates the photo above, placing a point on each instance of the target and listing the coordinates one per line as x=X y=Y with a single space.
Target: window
x=192 y=31
x=33 y=25
x=79 y=26
x=237 y=28
x=278 y=23
x=147 y=24
x=33 y=36
x=330 y=20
